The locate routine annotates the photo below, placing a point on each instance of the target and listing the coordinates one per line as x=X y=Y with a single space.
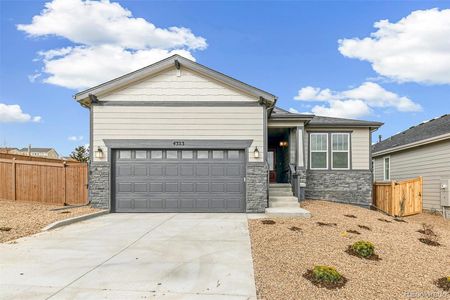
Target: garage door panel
x=156 y=170
x=180 y=181
x=171 y=187
x=140 y=187
x=140 y=170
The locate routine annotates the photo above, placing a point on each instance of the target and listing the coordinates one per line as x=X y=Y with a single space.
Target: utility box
x=445 y=192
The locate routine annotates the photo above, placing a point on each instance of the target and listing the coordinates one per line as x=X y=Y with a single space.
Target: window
x=141 y=154
x=387 y=168
x=218 y=154
x=187 y=154
x=319 y=151
x=124 y=154
x=340 y=151
x=156 y=154
x=202 y=154
x=233 y=154
x=171 y=154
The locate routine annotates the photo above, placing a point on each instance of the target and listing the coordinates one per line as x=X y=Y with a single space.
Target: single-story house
x=38 y=152
x=177 y=136
x=422 y=150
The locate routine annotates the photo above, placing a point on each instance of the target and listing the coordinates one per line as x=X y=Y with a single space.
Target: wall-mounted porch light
x=99 y=153
x=283 y=144
x=256 y=152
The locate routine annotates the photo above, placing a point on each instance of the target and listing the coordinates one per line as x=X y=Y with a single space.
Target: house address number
x=178 y=143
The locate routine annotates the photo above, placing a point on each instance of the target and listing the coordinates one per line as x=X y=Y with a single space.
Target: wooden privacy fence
x=43 y=182
x=398 y=198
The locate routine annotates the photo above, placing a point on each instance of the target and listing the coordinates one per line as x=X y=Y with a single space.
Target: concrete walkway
x=133 y=256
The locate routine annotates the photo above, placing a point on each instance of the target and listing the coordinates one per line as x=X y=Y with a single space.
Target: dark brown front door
x=272 y=165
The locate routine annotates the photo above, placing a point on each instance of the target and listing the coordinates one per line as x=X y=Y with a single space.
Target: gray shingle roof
x=425 y=130
x=319 y=121
x=36 y=149
x=325 y=121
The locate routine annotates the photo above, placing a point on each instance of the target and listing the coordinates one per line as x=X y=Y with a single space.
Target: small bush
x=363 y=248
x=326 y=273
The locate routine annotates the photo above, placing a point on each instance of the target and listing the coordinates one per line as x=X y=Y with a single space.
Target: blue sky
x=291 y=49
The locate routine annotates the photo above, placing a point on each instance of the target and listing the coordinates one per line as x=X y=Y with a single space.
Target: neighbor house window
x=340 y=151
x=387 y=168
x=319 y=151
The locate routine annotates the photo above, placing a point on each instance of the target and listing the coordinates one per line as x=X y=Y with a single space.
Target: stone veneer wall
x=256 y=187
x=353 y=186
x=99 y=190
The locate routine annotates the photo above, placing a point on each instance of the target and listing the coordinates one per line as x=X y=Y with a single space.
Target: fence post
x=14 y=179
x=65 y=182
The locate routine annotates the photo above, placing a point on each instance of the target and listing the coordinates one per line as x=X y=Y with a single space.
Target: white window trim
x=348 y=151
x=384 y=168
x=311 y=151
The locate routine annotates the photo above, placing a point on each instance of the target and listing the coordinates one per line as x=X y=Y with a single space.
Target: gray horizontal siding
x=432 y=162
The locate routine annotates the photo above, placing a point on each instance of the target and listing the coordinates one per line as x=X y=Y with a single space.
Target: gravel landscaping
x=19 y=219
x=406 y=267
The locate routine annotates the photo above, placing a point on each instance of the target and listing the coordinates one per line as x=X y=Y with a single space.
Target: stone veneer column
x=99 y=187
x=256 y=187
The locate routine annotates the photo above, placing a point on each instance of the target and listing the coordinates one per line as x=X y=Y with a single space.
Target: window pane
x=172 y=154
x=319 y=142
x=125 y=154
x=156 y=154
x=187 y=154
x=340 y=160
x=218 y=154
x=270 y=158
x=233 y=154
x=141 y=154
x=202 y=154
x=318 y=160
x=340 y=141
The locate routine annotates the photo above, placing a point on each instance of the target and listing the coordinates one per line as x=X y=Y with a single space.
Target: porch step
x=283 y=204
x=279 y=185
x=288 y=212
x=283 y=199
x=279 y=192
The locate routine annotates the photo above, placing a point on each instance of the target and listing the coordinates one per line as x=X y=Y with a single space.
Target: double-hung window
x=340 y=151
x=319 y=151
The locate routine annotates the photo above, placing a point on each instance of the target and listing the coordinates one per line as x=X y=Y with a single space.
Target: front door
x=272 y=165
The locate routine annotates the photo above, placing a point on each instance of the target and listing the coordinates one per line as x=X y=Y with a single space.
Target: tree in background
x=81 y=154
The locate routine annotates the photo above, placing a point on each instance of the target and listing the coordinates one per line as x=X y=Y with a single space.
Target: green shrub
x=448 y=279
x=326 y=273
x=363 y=248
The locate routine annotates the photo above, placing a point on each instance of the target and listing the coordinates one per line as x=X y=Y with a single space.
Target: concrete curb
x=74 y=220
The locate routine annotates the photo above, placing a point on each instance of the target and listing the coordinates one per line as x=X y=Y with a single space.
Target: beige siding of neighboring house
x=167 y=86
x=431 y=161
x=360 y=145
x=179 y=122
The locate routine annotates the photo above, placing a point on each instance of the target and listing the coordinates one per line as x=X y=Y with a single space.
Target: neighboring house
x=9 y=150
x=38 y=152
x=177 y=136
x=422 y=150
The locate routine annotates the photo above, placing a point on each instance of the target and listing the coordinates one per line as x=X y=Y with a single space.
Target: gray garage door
x=179 y=180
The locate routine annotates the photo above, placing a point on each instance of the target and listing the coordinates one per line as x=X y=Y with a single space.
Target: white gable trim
x=165 y=64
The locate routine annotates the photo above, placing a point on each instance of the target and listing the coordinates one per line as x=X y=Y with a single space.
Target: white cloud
x=108 y=42
x=293 y=110
x=84 y=67
x=107 y=23
x=357 y=102
x=415 y=49
x=75 y=138
x=13 y=113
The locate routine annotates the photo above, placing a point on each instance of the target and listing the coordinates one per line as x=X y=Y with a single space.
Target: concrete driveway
x=128 y=256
